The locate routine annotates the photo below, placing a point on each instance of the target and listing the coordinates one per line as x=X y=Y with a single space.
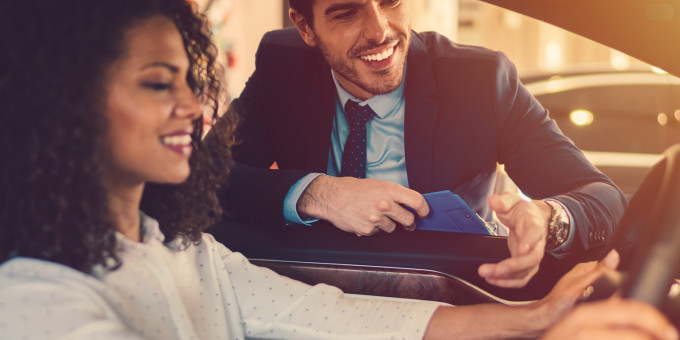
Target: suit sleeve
x=257 y=195
x=546 y=164
x=253 y=193
x=253 y=143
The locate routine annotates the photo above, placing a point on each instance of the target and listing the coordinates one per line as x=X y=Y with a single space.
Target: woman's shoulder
x=24 y=268
x=41 y=299
x=208 y=242
x=22 y=274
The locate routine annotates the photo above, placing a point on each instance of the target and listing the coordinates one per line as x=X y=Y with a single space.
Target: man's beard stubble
x=346 y=68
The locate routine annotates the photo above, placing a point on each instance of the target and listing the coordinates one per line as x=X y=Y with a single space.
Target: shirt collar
x=381 y=104
x=150 y=230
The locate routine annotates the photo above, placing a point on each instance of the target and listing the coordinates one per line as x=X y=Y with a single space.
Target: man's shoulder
x=442 y=49
x=450 y=67
x=286 y=39
x=285 y=46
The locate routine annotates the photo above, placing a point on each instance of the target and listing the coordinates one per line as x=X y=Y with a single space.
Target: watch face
x=558 y=228
x=561 y=232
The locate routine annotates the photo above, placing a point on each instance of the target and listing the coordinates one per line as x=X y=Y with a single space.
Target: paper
x=448 y=212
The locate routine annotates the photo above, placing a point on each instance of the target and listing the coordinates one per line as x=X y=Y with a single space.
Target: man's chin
x=383 y=85
x=376 y=91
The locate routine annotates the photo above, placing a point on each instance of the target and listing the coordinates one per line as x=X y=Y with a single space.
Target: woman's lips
x=179 y=142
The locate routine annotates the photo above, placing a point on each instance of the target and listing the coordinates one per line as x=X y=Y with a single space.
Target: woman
x=102 y=97
x=114 y=92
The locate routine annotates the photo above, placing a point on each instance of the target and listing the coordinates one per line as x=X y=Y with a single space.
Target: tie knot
x=357 y=114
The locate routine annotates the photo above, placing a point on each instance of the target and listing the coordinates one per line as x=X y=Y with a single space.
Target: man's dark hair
x=304 y=7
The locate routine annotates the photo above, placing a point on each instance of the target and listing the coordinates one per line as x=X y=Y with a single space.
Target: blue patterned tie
x=354 y=154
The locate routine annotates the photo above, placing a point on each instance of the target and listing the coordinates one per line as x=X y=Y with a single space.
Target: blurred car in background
x=622 y=120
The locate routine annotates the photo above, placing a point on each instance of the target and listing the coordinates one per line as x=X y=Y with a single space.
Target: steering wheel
x=648 y=236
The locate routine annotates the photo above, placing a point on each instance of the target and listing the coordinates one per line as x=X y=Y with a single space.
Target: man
x=436 y=116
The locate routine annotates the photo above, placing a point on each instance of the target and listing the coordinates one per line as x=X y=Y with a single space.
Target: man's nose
x=376 y=25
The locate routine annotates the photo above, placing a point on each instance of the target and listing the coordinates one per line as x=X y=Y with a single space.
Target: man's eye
x=345 y=15
x=391 y=2
x=157 y=86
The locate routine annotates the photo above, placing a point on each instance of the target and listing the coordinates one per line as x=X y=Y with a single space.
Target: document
x=449 y=212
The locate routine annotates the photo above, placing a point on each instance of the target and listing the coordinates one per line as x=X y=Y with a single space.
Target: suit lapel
x=420 y=117
x=318 y=118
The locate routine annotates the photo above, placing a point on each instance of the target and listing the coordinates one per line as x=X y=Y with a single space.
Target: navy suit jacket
x=466 y=111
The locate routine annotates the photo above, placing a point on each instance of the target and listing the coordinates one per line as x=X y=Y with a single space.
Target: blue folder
x=448 y=212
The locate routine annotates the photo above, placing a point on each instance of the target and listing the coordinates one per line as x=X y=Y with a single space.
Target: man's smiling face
x=364 y=41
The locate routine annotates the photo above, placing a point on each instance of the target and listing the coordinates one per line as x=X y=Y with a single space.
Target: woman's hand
x=569 y=289
x=614 y=318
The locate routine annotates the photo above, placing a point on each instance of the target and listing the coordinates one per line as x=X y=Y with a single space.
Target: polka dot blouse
x=163 y=291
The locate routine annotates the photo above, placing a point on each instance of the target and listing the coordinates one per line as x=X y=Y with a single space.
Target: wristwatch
x=558 y=226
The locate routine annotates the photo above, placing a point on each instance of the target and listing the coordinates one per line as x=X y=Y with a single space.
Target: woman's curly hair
x=54 y=59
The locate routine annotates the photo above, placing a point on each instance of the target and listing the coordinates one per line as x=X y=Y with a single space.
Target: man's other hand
x=527 y=223
x=361 y=206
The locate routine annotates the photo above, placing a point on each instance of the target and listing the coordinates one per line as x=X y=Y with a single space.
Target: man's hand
x=361 y=206
x=528 y=224
x=613 y=318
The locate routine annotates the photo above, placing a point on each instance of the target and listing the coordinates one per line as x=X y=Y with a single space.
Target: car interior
x=442 y=266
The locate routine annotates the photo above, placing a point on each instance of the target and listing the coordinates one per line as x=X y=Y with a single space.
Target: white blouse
x=203 y=292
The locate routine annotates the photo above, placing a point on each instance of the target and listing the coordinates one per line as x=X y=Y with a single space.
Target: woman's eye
x=157 y=86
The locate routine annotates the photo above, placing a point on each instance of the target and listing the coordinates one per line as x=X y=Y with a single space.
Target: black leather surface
x=454 y=254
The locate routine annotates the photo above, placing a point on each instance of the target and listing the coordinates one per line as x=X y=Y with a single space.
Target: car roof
x=573 y=70
x=648 y=30
x=559 y=83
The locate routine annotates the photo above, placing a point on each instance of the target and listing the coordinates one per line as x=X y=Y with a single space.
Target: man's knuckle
x=373 y=219
x=383 y=205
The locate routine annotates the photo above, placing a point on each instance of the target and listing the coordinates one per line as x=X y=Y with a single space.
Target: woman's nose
x=188 y=105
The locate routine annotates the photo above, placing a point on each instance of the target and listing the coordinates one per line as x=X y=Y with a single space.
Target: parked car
x=622 y=120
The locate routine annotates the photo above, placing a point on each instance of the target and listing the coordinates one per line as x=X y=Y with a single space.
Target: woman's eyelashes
x=157 y=86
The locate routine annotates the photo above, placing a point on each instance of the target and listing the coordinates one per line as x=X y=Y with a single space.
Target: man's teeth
x=177 y=140
x=379 y=56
